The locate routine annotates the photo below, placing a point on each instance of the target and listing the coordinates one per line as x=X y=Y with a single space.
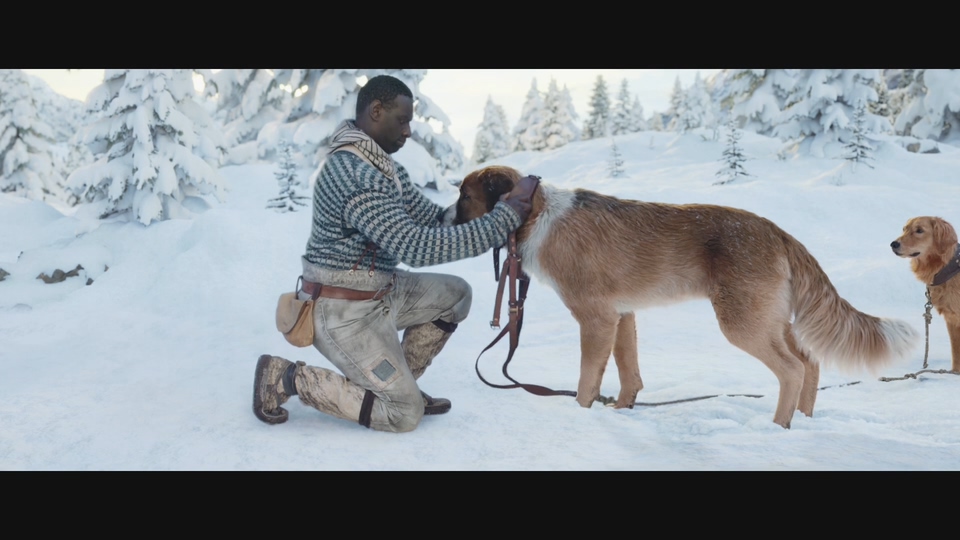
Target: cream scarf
x=349 y=137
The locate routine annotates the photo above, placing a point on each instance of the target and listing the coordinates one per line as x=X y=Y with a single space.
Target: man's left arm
x=421 y=209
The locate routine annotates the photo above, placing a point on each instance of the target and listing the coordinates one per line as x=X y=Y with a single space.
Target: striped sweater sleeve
x=385 y=221
x=421 y=209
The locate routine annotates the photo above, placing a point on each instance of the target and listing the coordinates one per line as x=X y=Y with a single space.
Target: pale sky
x=462 y=93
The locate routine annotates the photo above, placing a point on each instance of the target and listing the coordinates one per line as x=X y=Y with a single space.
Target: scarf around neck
x=348 y=134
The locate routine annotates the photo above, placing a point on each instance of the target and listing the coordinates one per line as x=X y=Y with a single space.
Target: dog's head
x=925 y=237
x=479 y=193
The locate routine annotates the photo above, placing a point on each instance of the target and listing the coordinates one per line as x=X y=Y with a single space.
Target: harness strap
x=512 y=273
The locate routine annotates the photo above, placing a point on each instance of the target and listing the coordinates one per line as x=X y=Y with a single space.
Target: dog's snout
x=894 y=244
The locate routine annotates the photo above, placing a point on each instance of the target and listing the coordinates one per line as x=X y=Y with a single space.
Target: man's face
x=393 y=127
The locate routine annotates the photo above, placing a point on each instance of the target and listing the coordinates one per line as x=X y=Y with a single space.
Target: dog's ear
x=495 y=183
x=944 y=236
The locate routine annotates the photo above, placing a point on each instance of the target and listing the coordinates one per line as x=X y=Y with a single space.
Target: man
x=368 y=217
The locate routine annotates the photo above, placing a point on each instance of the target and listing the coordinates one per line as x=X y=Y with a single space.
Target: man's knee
x=403 y=404
x=464 y=293
x=405 y=416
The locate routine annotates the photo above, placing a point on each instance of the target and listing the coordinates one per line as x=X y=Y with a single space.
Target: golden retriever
x=931 y=244
x=607 y=257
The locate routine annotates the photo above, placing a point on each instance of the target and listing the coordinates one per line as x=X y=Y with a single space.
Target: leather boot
x=273 y=384
x=421 y=344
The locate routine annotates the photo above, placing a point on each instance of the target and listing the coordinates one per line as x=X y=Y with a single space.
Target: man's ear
x=375 y=110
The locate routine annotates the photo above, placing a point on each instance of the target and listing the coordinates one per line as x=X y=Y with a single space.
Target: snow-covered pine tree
x=616 y=160
x=692 y=107
x=858 y=149
x=733 y=158
x=932 y=110
x=637 y=121
x=290 y=197
x=820 y=106
x=26 y=140
x=326 y=97
x=753 y=98
x=677 y=96
x=572 y=118
x=656 y=121
x=621 y=115
x=558 y=126
x=528 y=133
x=598 y=121
x=493 y=138
x=157 y=149
x=247 y=100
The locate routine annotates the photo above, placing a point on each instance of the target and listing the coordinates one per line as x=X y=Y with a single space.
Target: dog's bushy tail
x=832 y=331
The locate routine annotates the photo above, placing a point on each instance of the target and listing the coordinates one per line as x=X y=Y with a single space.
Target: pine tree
x=754 y=98
x=326 y=97
x=616 y=160
x=621 y=116
x=156 y=147
x=858 y=150
x=820 y=107
x=289 y=198
x=571 y=116
x=637 y=121
x=597 y=124
x=656 y=121
x=528 y=133
x=558 y=127
x=493 y=137
x=247 y=100
x=732 y=157
x=677 y=96
x=931 y=109
x=26 y=141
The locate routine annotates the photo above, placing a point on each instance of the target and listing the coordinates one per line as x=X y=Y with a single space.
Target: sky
x=150 y=366
x=462 y=93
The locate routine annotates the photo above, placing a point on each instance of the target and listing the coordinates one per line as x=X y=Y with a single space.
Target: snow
x=150 y=367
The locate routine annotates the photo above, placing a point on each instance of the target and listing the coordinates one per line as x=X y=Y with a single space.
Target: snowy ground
x=150 y=367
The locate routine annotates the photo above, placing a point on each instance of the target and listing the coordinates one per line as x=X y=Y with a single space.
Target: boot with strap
x=273 y=384
x=421 y=344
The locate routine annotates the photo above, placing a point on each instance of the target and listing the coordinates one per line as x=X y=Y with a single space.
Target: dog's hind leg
x=598 y=327
x=811 y=374
x=628 y=367
x=752 y=323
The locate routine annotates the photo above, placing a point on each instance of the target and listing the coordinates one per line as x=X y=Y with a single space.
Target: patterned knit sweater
x=353 y=203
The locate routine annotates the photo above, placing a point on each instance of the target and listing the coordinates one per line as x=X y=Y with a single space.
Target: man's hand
x=521 y=198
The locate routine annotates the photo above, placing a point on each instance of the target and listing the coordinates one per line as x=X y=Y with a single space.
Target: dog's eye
x=919 y=230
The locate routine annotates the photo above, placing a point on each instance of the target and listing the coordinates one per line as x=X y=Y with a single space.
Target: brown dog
x=931 y=243
x=606 y=257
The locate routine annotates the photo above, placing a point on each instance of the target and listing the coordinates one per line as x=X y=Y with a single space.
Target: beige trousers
x=361 y=338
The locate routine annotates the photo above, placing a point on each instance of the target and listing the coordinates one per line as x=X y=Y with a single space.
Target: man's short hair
x=382 y=87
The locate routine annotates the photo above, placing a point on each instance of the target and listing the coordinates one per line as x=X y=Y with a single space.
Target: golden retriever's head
x=927 y=238
x=479 y=193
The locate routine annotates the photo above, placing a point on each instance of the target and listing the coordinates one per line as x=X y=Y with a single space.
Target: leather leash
x=512 y=273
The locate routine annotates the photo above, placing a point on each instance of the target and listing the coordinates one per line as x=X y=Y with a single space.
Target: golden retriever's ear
x=944 y=237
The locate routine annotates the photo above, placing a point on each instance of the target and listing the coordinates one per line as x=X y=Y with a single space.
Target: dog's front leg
x=596 y=342
x=953 y=329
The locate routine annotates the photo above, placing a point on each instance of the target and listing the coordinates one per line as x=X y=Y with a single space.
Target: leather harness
x=512 y=273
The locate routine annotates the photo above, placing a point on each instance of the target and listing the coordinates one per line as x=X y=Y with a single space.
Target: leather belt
x=329 y=291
